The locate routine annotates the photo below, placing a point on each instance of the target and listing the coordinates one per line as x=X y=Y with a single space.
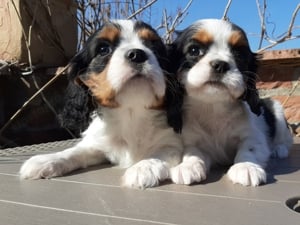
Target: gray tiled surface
x=94 y=196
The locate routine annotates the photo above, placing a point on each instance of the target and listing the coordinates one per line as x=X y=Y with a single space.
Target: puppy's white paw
x=188 y=172
x=247 y=174
x=44 y=166
x=146 y=173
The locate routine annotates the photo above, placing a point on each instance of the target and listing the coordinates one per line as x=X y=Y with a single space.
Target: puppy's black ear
x=76 y=112
x=78 y=102
x=175 y=91
x=173 y=102
x=252 y=98
x=174 y=57
x=251 y=95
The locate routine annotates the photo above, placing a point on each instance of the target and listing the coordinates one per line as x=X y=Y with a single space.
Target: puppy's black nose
x=219 y=66
x=136 y=55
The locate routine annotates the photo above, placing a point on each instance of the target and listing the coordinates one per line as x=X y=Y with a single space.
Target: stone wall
x=47 y=30
x=279 y=75
x=44 y=33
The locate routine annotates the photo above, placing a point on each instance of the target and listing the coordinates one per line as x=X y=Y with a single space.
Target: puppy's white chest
x=216 y=129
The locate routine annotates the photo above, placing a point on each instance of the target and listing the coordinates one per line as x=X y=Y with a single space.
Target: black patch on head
x=139 y=25
x=193 y=52
x=186 y=51
x=176 y=50
x=92 y=50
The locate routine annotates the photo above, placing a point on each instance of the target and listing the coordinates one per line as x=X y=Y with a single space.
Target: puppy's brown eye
x=195 y=51
x=104 y=50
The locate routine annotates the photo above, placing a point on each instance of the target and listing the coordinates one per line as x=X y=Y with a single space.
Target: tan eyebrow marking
x=110 y=32
x=147 y=34
x=237 y=38
x=203 y=37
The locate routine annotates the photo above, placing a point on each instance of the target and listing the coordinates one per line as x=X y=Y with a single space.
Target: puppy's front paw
x=188 y=172
x=43 y=166
x=247 y=174
x=146 y=173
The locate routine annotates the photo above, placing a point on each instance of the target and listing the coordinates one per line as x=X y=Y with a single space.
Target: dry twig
x=141 y=9
x=225 y=17
x=13 y=117
x=273 y=42
x=169 y=30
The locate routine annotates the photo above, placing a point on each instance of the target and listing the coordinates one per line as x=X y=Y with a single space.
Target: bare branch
x=180 y=14
x=165 y=19
x=288 y=35
x=261 y=13
x=278 y=42
x=176 y=21
x=141 y=9
x=58 y=73
x=224 y=17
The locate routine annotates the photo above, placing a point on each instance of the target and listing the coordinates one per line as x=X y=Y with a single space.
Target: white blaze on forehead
x=219 y=29
x=128 y=35
x=126 y=24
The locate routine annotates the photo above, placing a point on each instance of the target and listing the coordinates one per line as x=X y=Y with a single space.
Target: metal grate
x=38 y=148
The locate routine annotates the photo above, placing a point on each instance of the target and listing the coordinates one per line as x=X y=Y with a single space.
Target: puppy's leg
x=86 y=153
x=249 y=163
x=283 y=139
x=149 y=172
x=193 y=168
x=60 y=163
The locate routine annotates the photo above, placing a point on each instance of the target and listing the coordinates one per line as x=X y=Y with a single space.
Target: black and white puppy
x=122 y=70
x=225 y=122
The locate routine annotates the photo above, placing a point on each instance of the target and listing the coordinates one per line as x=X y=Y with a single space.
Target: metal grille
x=38 y=148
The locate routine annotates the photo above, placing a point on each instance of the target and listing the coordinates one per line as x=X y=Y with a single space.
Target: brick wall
x=278 y=78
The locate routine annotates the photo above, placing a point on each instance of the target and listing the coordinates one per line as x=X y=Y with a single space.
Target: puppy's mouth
x=220 y=88
x=138 y=77
x=210 y=87
x=138 y=80
x=216 y=84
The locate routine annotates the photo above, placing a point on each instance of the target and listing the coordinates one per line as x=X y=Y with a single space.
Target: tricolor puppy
x=121 y=77
x=225 y=122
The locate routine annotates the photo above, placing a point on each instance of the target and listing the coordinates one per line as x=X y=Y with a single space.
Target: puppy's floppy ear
x=174 y=92
x=174 y=56
x=78 y=102
x=251 y=95
x=173 y=102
